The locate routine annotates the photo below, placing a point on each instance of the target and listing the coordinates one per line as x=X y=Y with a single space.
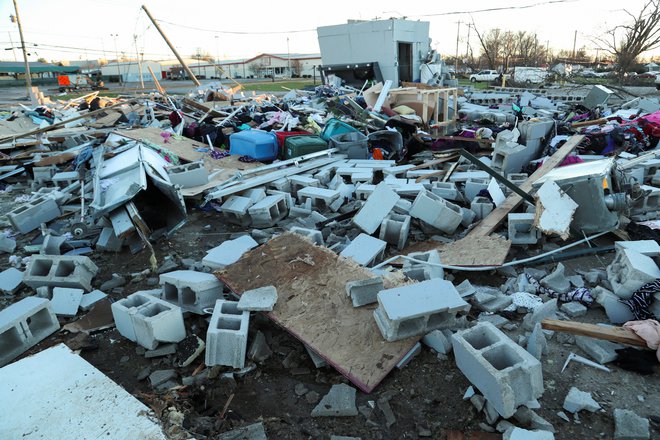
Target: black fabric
x=639 y=361
x=640 y=302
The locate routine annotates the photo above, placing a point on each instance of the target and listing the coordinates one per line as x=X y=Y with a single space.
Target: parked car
x=484 y=75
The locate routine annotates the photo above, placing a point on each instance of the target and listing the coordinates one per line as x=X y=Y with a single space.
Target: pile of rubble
x=356 y=213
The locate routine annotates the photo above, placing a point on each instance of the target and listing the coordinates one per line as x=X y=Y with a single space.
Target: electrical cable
x=483 y=268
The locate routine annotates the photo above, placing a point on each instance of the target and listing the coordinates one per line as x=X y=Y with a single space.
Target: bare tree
x=490 y=45
x=628 y=41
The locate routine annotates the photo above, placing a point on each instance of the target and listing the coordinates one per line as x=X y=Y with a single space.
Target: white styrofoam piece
x=556 y=210
x=57 y=394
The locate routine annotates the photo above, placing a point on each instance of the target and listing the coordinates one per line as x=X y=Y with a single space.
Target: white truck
x=484 y=76
x=530 y=74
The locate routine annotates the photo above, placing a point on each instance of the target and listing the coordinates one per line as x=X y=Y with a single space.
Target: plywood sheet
x=313 y=306
x=476 y=251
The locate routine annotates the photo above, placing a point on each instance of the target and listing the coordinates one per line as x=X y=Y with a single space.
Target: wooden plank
x=615 y=334
x=313 y=306
x=432 y=163
x=499 y=214
x=587 y=123
x=438 y=173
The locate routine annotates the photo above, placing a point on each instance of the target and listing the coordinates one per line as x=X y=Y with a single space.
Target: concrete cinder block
x=226 y=338
x=228 y=252
x=473 y=185
x=314 y=235
x=190 y=290
x=522 y=230
x=516 y=433
x=60 y=271
x=506 y=374
x=188 y=175
x=629 y=271
x=448 y=191
x=365 y=250
x=364 y=292
x=421 y=271
x=31 y=215
x=378 y=206
x=23 y=325
x=235 y=210
x=650 y=248
x=321 y=198
x=108 y=241
x=268 y=211
x=395 y=229
x=437 y=212
x=65 y=301
x=262 y=299
x=417 y=309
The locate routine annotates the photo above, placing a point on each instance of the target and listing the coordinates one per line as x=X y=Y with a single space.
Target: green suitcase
x=295 y=146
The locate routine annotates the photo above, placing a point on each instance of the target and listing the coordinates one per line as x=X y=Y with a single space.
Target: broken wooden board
x=499 y=214
x=609 y=333
x=476 y=251
x=97 y=319
x=313 y=306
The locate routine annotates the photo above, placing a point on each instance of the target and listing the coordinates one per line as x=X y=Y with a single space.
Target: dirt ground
x=426 y=395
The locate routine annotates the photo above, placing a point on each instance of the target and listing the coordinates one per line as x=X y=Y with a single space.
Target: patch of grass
x=69 y=96
x=277 y=86
x=475 y=85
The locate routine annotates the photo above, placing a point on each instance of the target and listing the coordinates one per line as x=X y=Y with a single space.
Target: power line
x=237 y=32
x=501 y=8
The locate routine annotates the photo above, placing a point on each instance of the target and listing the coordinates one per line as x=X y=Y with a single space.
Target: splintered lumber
x=62 y=123
x=499 y=214
x=614 y=334
x=313 y=306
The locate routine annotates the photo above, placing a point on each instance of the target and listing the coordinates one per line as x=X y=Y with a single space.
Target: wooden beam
x=499 y=214
x=431 y=163
x=587 y=123
x=464 y=139
x=615 y=334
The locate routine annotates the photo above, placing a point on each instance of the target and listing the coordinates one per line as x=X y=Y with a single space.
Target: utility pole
x=137 y=52
x=458 y=34
x=28 y=76
x=117 y=58
x=574 y=41
x=13 y=49
x=467 y=42
x=547 y=51
x=288 y=56
x=178 y=57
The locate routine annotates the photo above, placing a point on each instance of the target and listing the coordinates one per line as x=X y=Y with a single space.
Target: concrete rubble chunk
x=159 y=377
x=262 y=299
x=255 y=431
x=318 y=361
x=547 y=310
x=650 y=248
x=89 y=299
x=259 y=350
x=524 y=434
x=65 y=301
x=557 y=281
x=573 y=309
x=616 y=311
x=537 y=344
x=599 y=350
x=629 y=271
x=339 y=402
x=365 y=250
x=10 y=280
x=577 y=400
x=228 y=252
x=554 y=210
x=630 y=426
x=529 y=419
x=438 y=341
x=377 y=207
x=7 y=245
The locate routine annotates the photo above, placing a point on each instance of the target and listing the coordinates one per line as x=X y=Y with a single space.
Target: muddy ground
x=426 y=395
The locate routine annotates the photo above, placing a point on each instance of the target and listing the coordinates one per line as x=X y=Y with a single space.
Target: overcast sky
x=79 y=29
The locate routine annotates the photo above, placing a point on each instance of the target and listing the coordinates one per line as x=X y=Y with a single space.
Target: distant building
x=12 y=70
x=652 y=67
x=129 y=71
x=399 y=47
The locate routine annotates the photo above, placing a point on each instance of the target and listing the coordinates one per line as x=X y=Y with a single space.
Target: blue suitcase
x=258 y=144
